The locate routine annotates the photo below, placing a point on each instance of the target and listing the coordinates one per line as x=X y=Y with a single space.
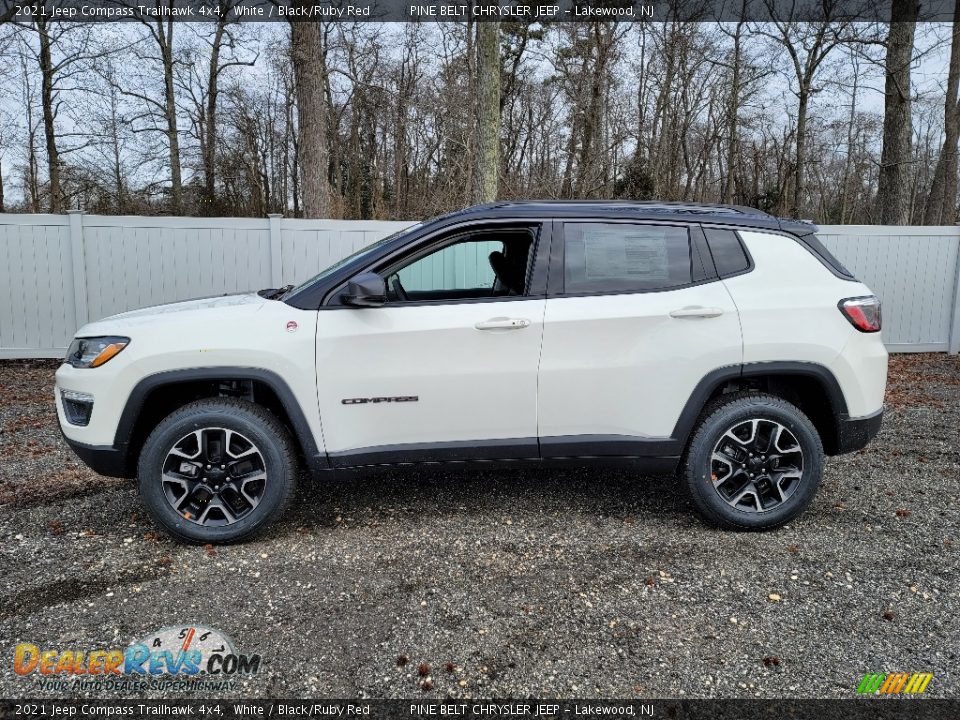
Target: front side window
x=485 y=264
x=623 y=257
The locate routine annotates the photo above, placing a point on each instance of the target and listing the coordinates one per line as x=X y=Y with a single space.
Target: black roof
x=739 y=215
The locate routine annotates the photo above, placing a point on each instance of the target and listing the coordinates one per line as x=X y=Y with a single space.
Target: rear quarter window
x=826 y=257
x=729 y=255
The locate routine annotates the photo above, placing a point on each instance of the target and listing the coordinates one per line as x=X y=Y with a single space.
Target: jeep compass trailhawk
x=718 y=342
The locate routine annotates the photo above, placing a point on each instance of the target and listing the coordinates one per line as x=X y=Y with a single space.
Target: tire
x=783 y=482
x=254 y=489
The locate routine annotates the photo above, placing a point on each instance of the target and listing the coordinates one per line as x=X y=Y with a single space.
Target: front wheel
x=217 y=470
x=754 y=462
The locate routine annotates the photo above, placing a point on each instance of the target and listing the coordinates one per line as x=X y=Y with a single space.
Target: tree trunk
x=941 y=207
x=46 y=101
x=892 y=196
x=33 y=169
x=851 y=120
x=487 y=166
x=800 y=159
x=733 y=117
x=592 y=114
x=165 y=41
x=306 y=51
x=210 y=134
x=400 y=146
x=2 y=206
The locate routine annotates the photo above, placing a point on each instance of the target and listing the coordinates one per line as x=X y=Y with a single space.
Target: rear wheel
x=217 y=471
x=754 y=462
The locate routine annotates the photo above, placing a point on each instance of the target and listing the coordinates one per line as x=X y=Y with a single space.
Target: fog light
x=77 y=406
x=74 y=396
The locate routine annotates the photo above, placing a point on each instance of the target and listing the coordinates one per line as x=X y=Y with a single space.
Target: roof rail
x=643 y=205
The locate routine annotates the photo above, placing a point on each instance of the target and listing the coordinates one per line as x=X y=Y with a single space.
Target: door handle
x=503 y=323
x=696 y=311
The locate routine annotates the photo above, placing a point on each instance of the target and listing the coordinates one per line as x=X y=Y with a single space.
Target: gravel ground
x=554 y=584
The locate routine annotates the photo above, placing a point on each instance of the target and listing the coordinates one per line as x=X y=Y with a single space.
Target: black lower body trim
x=463 y=451
x=102 y=459
x=648 y=455
x=571 y=446
x=855 y=433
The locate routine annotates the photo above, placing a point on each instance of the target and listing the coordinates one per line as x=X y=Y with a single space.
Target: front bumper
x=103 y=460
x=109 y=460
x=855 y=433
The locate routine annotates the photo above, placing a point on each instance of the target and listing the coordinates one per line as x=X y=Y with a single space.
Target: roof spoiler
x=797 y=227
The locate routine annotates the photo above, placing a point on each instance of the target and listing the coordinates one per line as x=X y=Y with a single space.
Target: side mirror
x=365 y=290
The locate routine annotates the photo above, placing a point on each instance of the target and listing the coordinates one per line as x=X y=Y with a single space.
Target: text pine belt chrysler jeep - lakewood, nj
x=718 y=342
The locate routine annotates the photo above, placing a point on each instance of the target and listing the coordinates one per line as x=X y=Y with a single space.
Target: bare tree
x=31 y=179
x=941 y=206
x=378 y=120
x=60 y=46
x=742 y=79
x=893 y=205
x=808 y=45
x=160 y=114
x=309 y=67
x=487 y=167
x=220 y=49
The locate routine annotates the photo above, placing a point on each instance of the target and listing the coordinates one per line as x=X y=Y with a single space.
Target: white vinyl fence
x=59 y=271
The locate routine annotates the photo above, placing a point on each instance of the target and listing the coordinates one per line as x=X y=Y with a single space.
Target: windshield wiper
x=274 y=293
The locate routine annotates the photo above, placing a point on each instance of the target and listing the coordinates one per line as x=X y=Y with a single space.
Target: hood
x=217 y=301
x=180 y=311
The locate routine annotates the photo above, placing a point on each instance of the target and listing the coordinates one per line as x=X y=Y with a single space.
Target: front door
x=447 y=368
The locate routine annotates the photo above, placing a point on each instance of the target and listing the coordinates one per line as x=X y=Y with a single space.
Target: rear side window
x=623 y=257
x=728 y=253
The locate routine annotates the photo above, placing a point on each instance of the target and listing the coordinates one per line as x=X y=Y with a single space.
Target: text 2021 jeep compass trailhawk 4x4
x=717 y=340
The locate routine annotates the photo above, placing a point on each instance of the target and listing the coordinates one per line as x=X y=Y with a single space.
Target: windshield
x=348 y=259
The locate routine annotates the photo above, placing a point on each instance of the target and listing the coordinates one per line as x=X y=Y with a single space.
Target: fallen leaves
x=908 y=380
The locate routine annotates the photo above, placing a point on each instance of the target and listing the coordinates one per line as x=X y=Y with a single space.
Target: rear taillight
x=862 y=312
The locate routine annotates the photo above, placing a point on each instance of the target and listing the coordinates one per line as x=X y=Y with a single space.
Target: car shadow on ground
x=435 y=493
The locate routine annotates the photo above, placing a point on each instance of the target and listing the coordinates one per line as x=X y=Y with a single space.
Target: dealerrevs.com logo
x=894 y=683
x=192 y=657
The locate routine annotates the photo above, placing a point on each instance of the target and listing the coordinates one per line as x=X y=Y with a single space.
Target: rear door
x=635 y=318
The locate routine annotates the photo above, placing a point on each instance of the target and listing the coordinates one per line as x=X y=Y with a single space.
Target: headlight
x=94 y=352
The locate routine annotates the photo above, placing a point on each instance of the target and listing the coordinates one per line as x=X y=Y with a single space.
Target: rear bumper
x=855 y=433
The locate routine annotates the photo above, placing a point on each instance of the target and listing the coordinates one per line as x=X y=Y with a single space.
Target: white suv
x=715 y=340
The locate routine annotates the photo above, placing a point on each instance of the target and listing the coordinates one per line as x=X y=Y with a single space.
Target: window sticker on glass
x=623 y=257
x=613 y=254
